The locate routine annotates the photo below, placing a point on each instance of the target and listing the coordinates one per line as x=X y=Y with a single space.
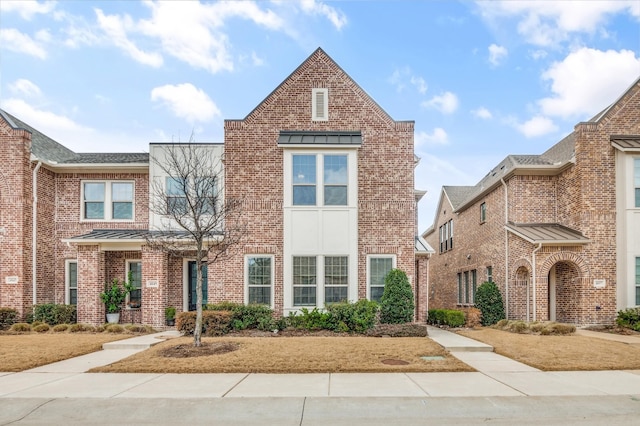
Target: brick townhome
x=326 y=179
x=559 y=232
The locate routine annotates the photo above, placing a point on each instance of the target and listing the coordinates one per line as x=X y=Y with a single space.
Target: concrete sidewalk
x=497 y=376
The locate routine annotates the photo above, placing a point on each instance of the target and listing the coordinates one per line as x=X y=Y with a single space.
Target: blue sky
x=480 y=79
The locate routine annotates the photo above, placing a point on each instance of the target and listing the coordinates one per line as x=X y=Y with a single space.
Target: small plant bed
x=188 y=350
x=545 y=328
x=613 y=329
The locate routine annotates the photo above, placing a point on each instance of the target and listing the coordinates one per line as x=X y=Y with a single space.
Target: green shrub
x=489 y=300
x=54 y=314
x=398 y=330
x=41 y=328
x=518 y=327
x=21 y=327
x=214 y=323
x=311 y=320
x=8 y=317
x=79 y=328
x=355 y=317
x=448 y=317
x=396 y=304
x=247 y=316
x=629 y=318
x=60 y=328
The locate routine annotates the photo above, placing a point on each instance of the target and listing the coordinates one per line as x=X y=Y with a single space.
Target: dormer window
x=320 y=104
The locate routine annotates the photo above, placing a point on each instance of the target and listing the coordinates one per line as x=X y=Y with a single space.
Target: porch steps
x=142 y=342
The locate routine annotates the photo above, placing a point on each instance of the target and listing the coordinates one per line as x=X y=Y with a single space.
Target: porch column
x=422 y=287
x=155 y=285
x=91 y=282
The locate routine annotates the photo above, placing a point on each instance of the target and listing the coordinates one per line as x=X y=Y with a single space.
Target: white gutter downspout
x=34 y=232
x=533 y=255
x=506 y=247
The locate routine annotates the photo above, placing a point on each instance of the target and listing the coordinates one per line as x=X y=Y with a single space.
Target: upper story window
x=446 y=236
x=483 y=212
x=333 y=181
x=489 y=274
x=636 y=179
x=107 y=200
x=319 y=104
x=203 y=191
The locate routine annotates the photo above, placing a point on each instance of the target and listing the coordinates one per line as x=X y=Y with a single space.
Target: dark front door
x=193 y=271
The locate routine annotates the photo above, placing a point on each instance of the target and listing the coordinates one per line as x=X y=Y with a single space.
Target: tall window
x=72 y=282
x=460 y=288
x=304 y=281
x=304 y=180
x=467 y=285
x=259 y=279
x=483 y=212
x=336 y=279
x=379 y=267
x=107 y=200
x=474 y=285
x=636 y=179
x=335 y=180
x=446 y=236
x=135 y=296
x=176 y=189
x=637 y=281
x=489 y=274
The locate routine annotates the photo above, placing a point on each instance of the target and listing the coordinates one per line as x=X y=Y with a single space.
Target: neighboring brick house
x=326 y=180
x=559 y=233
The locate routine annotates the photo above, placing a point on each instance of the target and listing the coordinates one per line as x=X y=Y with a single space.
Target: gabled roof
x=458 y=194
x=547 y=233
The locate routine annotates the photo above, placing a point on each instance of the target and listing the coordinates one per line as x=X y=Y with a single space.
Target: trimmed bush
x=114 y=328
x=353 y=317
x=79 y=328
x=214 y=323
x=8 y=317
x=247 y=316
x=545 y=328
x=21 y=327
x=489 y=300
x=396 y=304
x=311 y=320
x=41 y=328
x=472 y=317
x=60 y=328
x=448 y=317
x=54 y=314
x=398 y=330
x=629 y=318
x=138 y=328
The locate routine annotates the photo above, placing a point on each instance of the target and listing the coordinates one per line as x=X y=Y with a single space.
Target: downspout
x=34 y=232
x=533 y=261
x=506 y=247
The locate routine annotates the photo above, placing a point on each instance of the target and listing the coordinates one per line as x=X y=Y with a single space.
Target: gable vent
x=320 y=105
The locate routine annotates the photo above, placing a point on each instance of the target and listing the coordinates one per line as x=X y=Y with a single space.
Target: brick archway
x=576 y=259
x=520 y=263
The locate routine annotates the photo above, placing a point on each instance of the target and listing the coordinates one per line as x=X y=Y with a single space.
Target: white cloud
x=116 y=29
x=14 y=40
x=546 y=23
x=496 y=54
x=337 y=17
x=483 y=113
x=25 y=87
x=587 y=81
x=27 y=9
x=536 y=126
x=446 y=103
x=256 y=60
x=401 y=77
x=437 y=137
x=41 y=119
x=538 y=54
x=186 y=101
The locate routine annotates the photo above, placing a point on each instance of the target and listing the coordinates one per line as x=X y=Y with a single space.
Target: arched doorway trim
x=576 y=259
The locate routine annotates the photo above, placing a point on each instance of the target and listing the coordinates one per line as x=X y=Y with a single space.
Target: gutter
x=34 y=232
x=506 y=247
x=533 y=261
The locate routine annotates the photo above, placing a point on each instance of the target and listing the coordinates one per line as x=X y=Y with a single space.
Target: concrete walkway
x=497 y=376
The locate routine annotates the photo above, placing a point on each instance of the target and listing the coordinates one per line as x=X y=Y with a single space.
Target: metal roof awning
x=626 y=143
x=320 y=138
x=550 y=234
x=423 y=247
x=116 y=238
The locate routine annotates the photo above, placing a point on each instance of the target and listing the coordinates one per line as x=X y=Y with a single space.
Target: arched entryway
x=564 y=294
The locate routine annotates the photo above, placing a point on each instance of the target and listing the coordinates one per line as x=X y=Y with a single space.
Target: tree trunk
x=197 y=333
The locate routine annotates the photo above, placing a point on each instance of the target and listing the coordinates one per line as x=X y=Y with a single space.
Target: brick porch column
x=91 y=280
x=422 y=277
x=155 y=286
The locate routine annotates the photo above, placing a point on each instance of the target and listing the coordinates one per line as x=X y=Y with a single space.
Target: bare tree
x=193 y=216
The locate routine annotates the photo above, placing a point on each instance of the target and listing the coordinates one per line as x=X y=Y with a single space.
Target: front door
x=192 y=285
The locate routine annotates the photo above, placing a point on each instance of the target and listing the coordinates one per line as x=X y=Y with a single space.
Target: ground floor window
x=467 y=285
x=259 y=279
x=378 y=268
x=637 y=281
x=489 y=274
x=305 y=280
x=71 y=281
x=135 y=296
x=336 y=279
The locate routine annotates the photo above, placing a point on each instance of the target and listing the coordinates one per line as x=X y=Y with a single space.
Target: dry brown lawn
x=559 y=353
x=20 y=352
x=307 y=354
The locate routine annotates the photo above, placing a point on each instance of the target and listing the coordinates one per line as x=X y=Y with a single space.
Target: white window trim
x=633 y=182
x=314 y=108
x=377 y=256
x=67 y=299
x=246 y=277
x=324 y=284
x=126 y=276
x=108 y=200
